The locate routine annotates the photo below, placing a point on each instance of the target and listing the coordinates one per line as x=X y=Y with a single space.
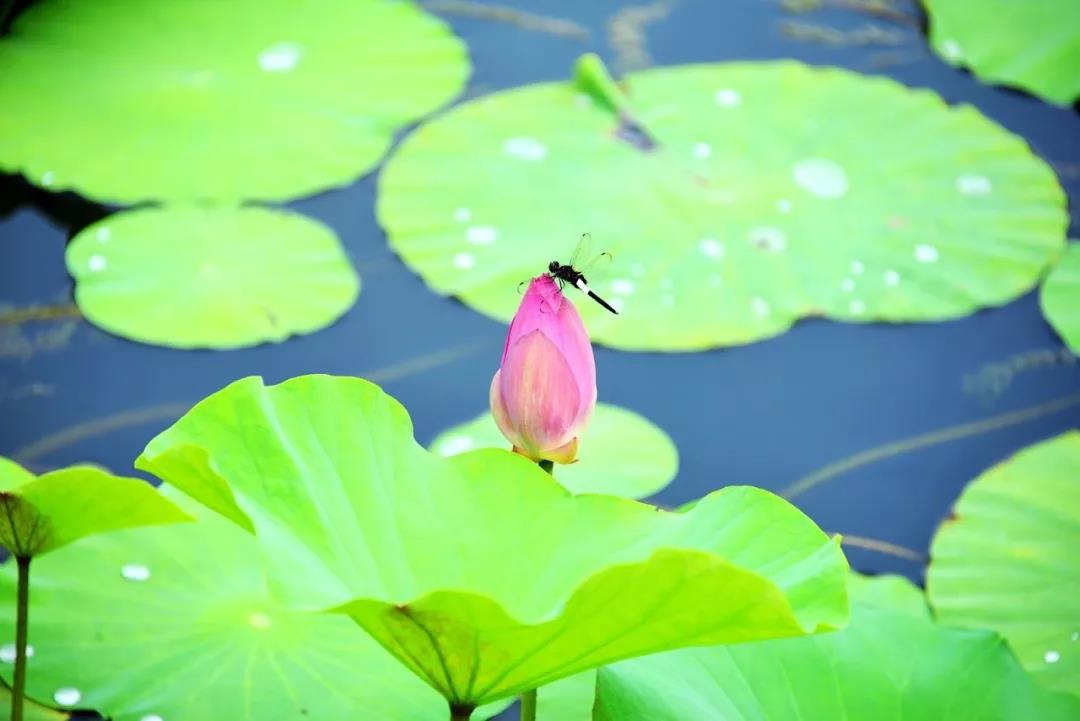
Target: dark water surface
x=767 y=414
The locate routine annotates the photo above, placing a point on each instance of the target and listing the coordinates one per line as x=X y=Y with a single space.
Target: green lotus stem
x=528 y=705
x=459 y=712
x=18 y=686
x=528 y=699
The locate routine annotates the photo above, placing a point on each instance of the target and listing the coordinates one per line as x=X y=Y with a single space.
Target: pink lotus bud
x=545 y=388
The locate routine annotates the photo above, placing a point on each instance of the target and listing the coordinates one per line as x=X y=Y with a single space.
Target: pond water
x=770 y=414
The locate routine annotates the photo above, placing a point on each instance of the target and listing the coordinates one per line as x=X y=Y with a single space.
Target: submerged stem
x=18 y=686
x=528 y=705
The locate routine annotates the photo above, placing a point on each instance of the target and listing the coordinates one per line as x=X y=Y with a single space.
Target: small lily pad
x=479 y=572
x=1060 y=298
x=189 y=277
x=887 y=664
x=42 y=513
x=621 y=453
x=32 y=711
x=734 y=198
x=1007 y=559
x=133 y=100
x=176 y=623
x=1031 y=45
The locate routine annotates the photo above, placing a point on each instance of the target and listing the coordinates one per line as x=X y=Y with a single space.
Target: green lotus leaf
x=760 y=201
x=479 y=572
x=621 y=452
x=1007 y=559
x=133 y=100
x=887 y=664
x=40 y=514
x=176 y=623
x=1030 y=45
x=190 y=277
x=1060 y=298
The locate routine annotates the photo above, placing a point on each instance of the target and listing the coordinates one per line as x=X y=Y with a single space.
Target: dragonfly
x=573 y=274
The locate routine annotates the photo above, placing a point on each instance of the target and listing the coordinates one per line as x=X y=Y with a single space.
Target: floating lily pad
x=621 y=453
x=191 y=277
x=176 y=623
x=479 y=572
x=744 y=198
x=1030 y=45
x=42 y=513
x=1007 y=559
x=1060 y=298
x=888 y=664
x=131 y=100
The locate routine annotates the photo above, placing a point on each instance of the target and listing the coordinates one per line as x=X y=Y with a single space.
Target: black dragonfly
x=573 y=274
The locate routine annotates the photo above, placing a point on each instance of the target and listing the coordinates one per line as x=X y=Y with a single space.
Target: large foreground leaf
x=621 y=453
x=1030 y=45
x=191 y=277
x=753 y=201
x=1009 y=559
x=1060 y=298
x=41 y=514
x=890 y=664
x=175 y=623
x=130 y=100
x=479 y=572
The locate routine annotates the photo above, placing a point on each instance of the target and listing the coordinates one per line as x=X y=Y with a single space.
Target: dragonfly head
x=553 y=266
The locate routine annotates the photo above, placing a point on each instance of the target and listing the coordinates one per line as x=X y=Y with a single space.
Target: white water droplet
x=1075 y=636
x=667 y=283
x=711 y=248
x=856 y=306
x=456 y=444
x=280 y=57
x=972 y=184
x=102 y=235
x=822 y=177
x=151 y=717
x=7 y=652
x=260 y=621
x=892 y=277
x=96 y=263
x=525 y=148
x=951 y=49
x=768 y=238
x=481 y=234
x=637 y=270
x=702 y=150
x=715 y=280
x=1052 y=656
x=67 y=696
x=727 y=98
x=857 y=268
x=926 y=253
x=848 y=285
x=667 y=300
x=621 y=286
x=135 y=572
x=464 y=261
x=783 y=206
x=48 y=177
x=760 y=306
x=463 y=215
